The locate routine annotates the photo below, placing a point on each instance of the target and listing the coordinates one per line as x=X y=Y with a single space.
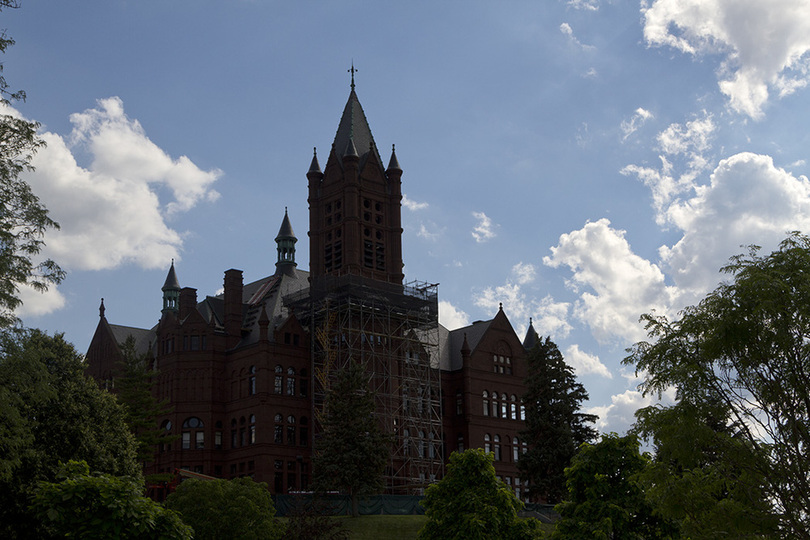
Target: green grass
x=383 y=527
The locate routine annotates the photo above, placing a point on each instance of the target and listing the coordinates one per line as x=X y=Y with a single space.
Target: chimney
x=233 y=307
x=188 y=301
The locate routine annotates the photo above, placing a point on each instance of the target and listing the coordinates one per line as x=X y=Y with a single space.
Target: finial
x=101 y=309
x=353 y=71
x=500 y=306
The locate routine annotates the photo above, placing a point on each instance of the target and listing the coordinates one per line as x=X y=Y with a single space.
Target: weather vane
x=352 y=71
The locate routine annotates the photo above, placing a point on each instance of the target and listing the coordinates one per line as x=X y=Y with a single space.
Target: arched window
x=242 y=432
x=513 y=407
x=252 y=380
x=291 y=430
x=515 y=449
x=495 y=404
x=193 y=425
x=487 y=444
x=504 y=406
x=278 y=429
x=460 y=442
x=486 y=403
x=252 y=430
x=290 y=381
x=497 y=447
x=522 y=412
x=278 y=382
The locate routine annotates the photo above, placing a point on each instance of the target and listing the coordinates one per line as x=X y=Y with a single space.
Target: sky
x=580 y=162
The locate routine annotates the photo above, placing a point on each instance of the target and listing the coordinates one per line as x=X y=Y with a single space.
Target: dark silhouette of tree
x=555 y=427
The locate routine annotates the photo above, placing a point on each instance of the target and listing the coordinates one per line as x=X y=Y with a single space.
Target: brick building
x=246 y=371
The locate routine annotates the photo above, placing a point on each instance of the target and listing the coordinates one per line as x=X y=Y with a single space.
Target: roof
x=143 y=338
x=450 y=350
x=531 y=336
x=286 y=230
x=172 y=283
x=354 y=130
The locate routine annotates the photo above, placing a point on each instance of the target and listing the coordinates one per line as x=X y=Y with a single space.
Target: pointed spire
x=353 y=71
x=101 y=310
x=314 y=167
x=465 y=347
x=285 y=246
x=393 y=163
x=531 y=336
x=351 y=150
x=354 y=128
x=171 y=291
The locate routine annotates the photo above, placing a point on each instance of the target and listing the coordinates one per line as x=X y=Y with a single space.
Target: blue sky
x=581 y=162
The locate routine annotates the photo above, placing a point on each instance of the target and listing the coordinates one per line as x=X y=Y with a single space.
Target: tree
x=23 y=218
x=352 y=450
x=53 y=414
x=238 y=508
x=142 y=409
x=555 y=427
x=604 y=499
x=471 y=503
x=102 y=506
x=695 y=479
x=747 y=346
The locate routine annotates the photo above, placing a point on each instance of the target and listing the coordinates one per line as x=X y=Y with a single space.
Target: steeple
x=531 y=337
x=285 y=245
x=354 y=133
x=171 y=292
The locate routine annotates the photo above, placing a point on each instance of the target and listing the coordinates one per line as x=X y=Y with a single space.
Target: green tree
x=352 y=450
x=747 y=345
x=696 y=480
x=604 y=499
x=54 y=414
x=102 y=506
x=238 y=508
x=470 y=503
x=23 y=218
x=135 y=391
x=555 y=427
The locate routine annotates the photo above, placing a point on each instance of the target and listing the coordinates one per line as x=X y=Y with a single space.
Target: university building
x=246 y=372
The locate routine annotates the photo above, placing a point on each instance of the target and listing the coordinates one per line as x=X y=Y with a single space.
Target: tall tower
x=355 y=204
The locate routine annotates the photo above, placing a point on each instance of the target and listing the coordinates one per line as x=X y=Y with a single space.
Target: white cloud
x=615 y=285
x=451 y=317
x=588 y=5
x=585 y=363
x=413 y=206
x=748 y=201
x=567 y=31
x=484 y=230
x=423 y=232
x=765 y=45
x=39 y=303
x=638 y=119
x=551 y=318
x=113 y=211
x=619 y=415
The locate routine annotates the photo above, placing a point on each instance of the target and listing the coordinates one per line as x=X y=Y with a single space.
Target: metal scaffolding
x=393 y=331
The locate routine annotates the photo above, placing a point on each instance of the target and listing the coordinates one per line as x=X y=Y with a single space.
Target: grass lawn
x=380 y=527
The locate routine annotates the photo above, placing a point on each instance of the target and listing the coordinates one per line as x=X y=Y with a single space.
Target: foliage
x=352 y=450
x=471 y=503
x=308 y=520
x=238 y=508
x=23 y=219
x=51 y=413
x=142 y=409
x=81 y=505
x=747 y=346
x=604 y=499
x=554 y=426
x=696 y=479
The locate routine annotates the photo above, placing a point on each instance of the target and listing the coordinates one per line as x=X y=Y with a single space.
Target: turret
x=171 y=292
x=285 y=245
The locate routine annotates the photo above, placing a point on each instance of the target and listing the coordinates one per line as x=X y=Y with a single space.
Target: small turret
x=171 y=292
x=531 y=337
x=285 y=245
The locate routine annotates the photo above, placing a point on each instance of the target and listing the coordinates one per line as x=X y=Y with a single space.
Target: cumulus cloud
x=764 y=45
x=748 y=201
x=588 y=5
x=113 y=211
x=585 y=363
x=426 y=233
x=451 y=317
x=413 y=205
x=619 y=415
x=638 y=119
x=484 y=230
x=615 y=285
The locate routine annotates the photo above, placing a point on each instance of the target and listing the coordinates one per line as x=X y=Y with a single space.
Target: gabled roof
x=144 y=338
x=455 y=340
x=353 y=130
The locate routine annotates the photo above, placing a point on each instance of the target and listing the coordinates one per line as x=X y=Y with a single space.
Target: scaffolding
x=393 y=330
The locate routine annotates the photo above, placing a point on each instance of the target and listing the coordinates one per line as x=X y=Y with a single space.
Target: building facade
x=246 y=372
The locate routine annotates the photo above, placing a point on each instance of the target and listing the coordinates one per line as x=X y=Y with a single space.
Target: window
x=504 y=406
x=278 y=381
x=522 y=412
x=218 y=440
x=200 y=440
x=487 y=444
x=513 y=407
x=291 y=430
x=497 y=447
x=252 y=380
x=460 y=442
x=186 y=440
x=486 y=403
x=459 y=403
x=514 y=449
x=278 y=431
x=195 y=424
x=290 y=381
x=494 y=404
x=252 y=430
x=234 y=439
x=167 y=428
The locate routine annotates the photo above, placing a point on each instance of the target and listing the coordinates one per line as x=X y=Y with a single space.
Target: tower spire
x=352 y=71
x=171 y=291
x=285 y=245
